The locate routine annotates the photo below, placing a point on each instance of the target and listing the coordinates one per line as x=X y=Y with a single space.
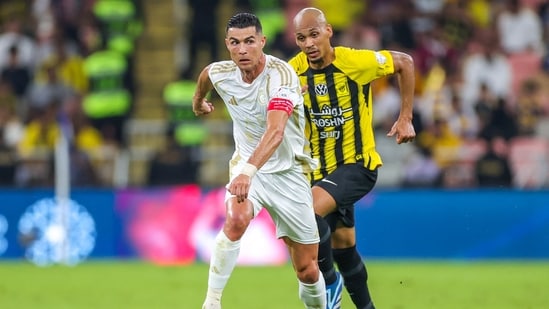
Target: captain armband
x=281 y=104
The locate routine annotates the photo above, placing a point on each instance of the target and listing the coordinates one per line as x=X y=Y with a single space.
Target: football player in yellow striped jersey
x=338 y=107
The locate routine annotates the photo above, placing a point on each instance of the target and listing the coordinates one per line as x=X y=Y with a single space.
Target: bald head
x=309 y=18
x=312 y=36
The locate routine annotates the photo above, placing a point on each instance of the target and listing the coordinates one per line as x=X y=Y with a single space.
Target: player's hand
x=403 y=130
x=204 y=108
x=239 y=187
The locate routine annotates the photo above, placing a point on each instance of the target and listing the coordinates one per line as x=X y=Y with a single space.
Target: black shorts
x=347 y=185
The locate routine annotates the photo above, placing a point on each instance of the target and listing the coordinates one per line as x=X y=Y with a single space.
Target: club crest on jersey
x=342 y=88
x=321 y=89
x=380 y=58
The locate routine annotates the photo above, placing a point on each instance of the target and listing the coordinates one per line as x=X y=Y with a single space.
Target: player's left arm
x=403 y=128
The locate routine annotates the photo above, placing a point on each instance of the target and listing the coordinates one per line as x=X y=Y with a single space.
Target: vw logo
x=321 y=89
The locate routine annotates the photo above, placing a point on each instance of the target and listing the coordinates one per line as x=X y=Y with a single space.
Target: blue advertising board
x=177 y=225
x=454 y=224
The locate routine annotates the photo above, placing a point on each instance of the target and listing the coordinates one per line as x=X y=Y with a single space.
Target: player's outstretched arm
x=201 y=105
x=403 y=129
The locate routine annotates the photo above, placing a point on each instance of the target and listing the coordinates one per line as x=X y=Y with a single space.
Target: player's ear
x=330 y=30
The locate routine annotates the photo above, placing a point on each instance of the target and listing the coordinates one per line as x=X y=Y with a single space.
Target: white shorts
x=288 y=199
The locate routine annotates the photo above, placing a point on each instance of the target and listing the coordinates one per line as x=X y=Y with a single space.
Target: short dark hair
x=244 y=20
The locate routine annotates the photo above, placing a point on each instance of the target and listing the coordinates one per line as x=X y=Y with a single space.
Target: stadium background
x=123 y=71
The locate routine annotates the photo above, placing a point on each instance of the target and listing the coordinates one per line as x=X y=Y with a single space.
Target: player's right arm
x=204 y=85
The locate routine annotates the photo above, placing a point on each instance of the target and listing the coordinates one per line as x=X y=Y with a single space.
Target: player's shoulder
x=351 y=54
x=279 y=65
x=299 y=63
x=275 y=61
x=222 y=67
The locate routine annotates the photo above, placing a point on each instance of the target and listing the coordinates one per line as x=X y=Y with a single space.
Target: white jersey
x=247 y=104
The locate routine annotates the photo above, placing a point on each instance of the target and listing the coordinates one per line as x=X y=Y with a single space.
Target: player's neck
x=324 y=61
x=249 y=76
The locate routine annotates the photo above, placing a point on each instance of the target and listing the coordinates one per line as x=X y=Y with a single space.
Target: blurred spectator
x=493 y=169
x=80 y=131
x=17 y=75
x=362 y=33
x=11 y=131
x=175 y=164
x=421 y=171
x=393 y=21
x=501 y=122
x=68 y=15
x=89 y=36
x=488 y=66
x=11 y=126
x=36 y=147
x=480 y=12
x=84 y=140
x=463 y=121
x=8 y=162
x=69 y=65
x=457 y=25
x=202 y=34
x=426 y=14
x=41 y=133
x=519 y=29
x=45 y=89
x=441 y=142
x=529 y=107
x=40 y=138
x=433 y=48
x=484 y=105
x=82 y=171
x=283 y=44
x=386 y=102
x=12 y=35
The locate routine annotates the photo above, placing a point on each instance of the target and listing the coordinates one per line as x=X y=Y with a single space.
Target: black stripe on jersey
x=355 y=103
x=315 y=108
x=358 y=138
x=334 y=103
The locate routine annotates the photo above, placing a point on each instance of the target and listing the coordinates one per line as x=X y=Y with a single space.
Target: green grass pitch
x=393 y=284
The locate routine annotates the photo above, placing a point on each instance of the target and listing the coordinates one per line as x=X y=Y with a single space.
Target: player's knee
x=236 y=225
x=308 y=273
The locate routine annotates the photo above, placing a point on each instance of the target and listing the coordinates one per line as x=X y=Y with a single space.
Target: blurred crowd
x=65 y=71
x=482 y=83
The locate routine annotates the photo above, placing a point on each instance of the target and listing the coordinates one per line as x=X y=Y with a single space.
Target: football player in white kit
x=263 y=96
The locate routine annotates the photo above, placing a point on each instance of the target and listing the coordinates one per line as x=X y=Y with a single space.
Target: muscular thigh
x=288 y=199
x=347 y=185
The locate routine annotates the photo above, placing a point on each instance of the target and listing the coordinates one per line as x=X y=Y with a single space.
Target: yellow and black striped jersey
x=338 y=106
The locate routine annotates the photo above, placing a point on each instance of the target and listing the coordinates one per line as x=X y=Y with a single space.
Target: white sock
x=313 y=295
x=222 y=263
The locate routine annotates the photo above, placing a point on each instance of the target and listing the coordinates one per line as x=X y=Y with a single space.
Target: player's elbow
x=403 y=61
